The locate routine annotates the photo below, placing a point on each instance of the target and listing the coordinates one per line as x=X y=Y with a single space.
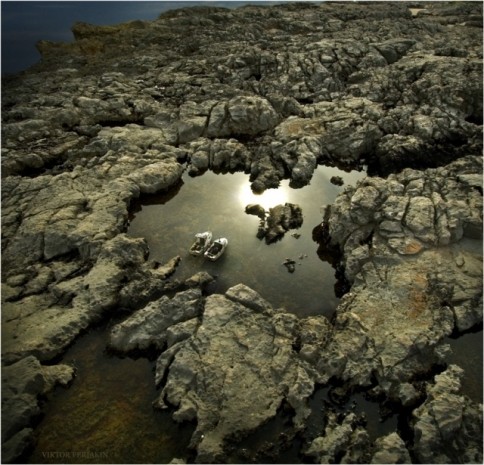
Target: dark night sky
x=26 y=22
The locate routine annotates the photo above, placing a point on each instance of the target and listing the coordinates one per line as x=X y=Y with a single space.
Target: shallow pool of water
x=467 y=351
x=217 y=202
x=106 y=415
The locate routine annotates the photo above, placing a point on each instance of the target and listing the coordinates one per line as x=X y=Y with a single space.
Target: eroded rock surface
x=119 y=111
x=448 y=426
x=234 y=372
x=277 y=221
x=412 y=248
x=22 y=383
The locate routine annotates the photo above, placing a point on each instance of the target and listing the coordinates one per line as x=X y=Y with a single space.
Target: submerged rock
x=22 y=384
x=290 y=264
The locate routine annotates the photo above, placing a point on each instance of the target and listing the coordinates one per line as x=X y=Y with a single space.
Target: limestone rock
x=434 y=277
x=42 y=326
x=448 y=418
x=147 y=327
x=114 y=114
x=390 y=449
x=22 y=383
x=280 y=219
x=233 y=373
x=13 y=448
x=341 y=439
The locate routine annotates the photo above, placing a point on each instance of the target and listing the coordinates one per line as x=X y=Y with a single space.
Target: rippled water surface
x=217 y=203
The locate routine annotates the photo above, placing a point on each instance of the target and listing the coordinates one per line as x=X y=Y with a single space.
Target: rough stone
x=235 y=346
x=114 y=115
x=448 y=426
x=22 y=383
x=435 y=283
x=280 y=219
x=390 y=449
x=342 y=441
x=147 y=327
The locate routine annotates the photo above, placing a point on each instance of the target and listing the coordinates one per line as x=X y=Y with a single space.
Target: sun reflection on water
x=267 y=199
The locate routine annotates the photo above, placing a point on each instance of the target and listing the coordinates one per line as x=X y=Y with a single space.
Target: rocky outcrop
x=148 y=327
x=343 y=441
x=277 y=221
x=118 y=113
x=235 y=371
x=411 y=247
x=45 y=323
x=394 y=99
x=448 y=426
x=22 y=383
x=390 y=449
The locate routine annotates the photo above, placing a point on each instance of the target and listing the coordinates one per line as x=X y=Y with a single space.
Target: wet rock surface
x=277 y=221
x=123 y=110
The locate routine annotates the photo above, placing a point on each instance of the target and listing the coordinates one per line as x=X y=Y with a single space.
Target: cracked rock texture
x=233 y=373
x=411 y=246
x=274 y=91
x=447 y=426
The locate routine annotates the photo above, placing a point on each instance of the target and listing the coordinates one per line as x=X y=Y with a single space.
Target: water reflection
x=268 y=199
x=216 y=202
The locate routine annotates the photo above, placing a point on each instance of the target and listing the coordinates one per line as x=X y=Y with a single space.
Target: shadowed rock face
x=272 y=91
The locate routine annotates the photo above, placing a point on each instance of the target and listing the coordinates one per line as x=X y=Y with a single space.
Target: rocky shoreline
x=273 y=91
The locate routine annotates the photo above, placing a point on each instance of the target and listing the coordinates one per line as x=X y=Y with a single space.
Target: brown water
x=217 y=203
x=106 y=415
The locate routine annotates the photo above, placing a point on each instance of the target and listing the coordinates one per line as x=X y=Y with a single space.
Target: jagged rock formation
x=447 y=427
x=412 y=248
x=272 y=91
x=22 y=383
x=277 y=221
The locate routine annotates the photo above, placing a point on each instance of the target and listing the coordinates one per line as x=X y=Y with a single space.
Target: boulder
x=234 y=371
x=447 y=425
x=390 y=449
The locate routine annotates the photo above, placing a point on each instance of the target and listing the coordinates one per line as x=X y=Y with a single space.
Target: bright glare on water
x=216 y=202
